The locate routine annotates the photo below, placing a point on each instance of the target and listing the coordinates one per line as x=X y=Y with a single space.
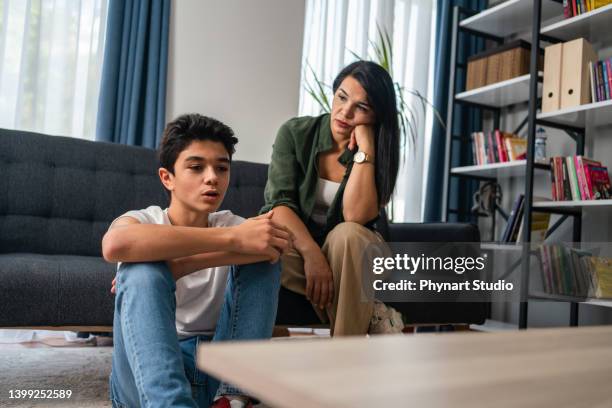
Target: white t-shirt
x=199 y=295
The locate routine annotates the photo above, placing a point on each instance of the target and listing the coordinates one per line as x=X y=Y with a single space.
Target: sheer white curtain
x=336 y=30
x=50 y=61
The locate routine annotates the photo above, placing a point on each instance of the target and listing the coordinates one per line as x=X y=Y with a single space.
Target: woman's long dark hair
x=378 y=85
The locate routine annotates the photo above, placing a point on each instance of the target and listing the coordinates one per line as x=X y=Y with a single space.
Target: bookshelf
x=593 y=26
x=572 y=204
x=546 y=24
x=597 y=114
x=505 y=93
x=565 y=298
x=510 y=17
x=496 y=170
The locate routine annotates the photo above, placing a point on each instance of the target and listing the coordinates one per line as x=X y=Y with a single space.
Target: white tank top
x=324 y=197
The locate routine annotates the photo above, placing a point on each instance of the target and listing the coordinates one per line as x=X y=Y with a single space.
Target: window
x=50 y=61
x=336 y=31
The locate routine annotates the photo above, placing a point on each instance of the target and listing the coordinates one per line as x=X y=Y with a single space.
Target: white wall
x=238 y=61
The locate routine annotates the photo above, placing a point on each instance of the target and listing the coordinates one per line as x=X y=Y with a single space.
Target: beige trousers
x=344 y=247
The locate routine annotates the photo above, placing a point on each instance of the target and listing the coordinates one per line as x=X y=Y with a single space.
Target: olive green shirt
x=293 y=171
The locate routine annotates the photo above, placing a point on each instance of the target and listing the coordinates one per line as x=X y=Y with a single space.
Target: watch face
x=359 y=157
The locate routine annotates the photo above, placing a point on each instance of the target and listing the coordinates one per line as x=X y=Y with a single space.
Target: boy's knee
x=143 y=275
x=262 y=270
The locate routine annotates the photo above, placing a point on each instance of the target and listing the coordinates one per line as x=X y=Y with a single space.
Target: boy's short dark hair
x=183 y=130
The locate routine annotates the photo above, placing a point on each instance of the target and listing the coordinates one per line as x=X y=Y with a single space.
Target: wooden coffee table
x=568 y=367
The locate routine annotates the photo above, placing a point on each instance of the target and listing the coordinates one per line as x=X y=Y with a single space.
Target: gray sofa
x=58 y=196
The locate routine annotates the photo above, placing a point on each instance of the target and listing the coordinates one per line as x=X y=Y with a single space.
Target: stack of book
x=514 y=227
x=571 y=272
x=573 y=8
x=497 y=147
x=579 y=178
x=601 y=79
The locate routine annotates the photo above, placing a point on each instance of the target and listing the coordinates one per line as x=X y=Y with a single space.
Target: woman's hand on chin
x=362 y=136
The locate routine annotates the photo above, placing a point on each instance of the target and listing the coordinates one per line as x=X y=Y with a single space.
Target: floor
x=83 y=368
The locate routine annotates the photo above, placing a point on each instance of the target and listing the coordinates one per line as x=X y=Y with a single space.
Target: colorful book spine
x=500 y=146
x=571 y=169
x=604 y=72
x=586 y=163
x=567 y=191
x=609 y=71
x=553 y=182
x=602 y=92
x=492 y=148
x=483 y=157
x=566 y=9
x=581 y=179
x=559 y=179
x=592 y=81
x=600 y=180
x=474 y=150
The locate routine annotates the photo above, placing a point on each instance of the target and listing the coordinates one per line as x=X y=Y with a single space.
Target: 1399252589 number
x=40 y=394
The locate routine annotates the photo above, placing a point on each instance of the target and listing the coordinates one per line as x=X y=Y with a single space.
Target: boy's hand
x=261 y=235
x=114 y=286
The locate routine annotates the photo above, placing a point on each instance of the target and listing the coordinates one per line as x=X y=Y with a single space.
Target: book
x=512 y=218
x=601 y=3
x=553 y=182
x=501 y=152
x=609 y=71
x=493 y=141
x=587 y=176
x=567 y=192
x=604 y=73
x=600 y=182
x=573 y=179
x=517 y=222
x=580 y=177
x=558 y=178
x=592 y=80
x=517 y=148
x=602 y=92
x=566 y=9
x=601 y=269
x=539 y=226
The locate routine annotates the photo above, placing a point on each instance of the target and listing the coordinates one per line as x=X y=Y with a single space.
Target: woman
x=328 y=179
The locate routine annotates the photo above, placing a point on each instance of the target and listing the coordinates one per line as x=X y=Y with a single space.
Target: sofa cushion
x=47 y=290
x=62 y=193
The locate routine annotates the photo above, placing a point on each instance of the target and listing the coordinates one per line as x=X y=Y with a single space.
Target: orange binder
x=551 y=88
x=575 y=81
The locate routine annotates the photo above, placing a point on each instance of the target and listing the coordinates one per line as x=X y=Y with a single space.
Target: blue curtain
x=466 y=120
x=132 y=104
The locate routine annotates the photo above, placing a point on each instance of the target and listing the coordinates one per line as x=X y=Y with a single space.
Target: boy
x=192 y=244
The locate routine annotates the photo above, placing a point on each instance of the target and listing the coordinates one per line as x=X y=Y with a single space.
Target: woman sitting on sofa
x=328 y=179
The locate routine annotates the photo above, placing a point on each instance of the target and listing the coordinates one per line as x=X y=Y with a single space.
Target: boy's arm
x=184 y=266
x=130 y=241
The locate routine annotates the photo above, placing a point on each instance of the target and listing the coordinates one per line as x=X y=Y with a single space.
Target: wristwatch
x=362 y=157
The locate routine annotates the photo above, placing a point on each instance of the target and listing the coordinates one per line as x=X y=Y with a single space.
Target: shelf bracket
x=556 y=225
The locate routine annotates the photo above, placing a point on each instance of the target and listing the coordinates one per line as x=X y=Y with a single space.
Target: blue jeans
x=151 y=367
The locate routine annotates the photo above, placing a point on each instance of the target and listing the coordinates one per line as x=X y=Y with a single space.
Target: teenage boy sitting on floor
x=158 y=323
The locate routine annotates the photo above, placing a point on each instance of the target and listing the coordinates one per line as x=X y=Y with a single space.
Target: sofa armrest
x=433 y=232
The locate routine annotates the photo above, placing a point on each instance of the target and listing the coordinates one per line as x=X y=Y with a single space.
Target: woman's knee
x=348 y=232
